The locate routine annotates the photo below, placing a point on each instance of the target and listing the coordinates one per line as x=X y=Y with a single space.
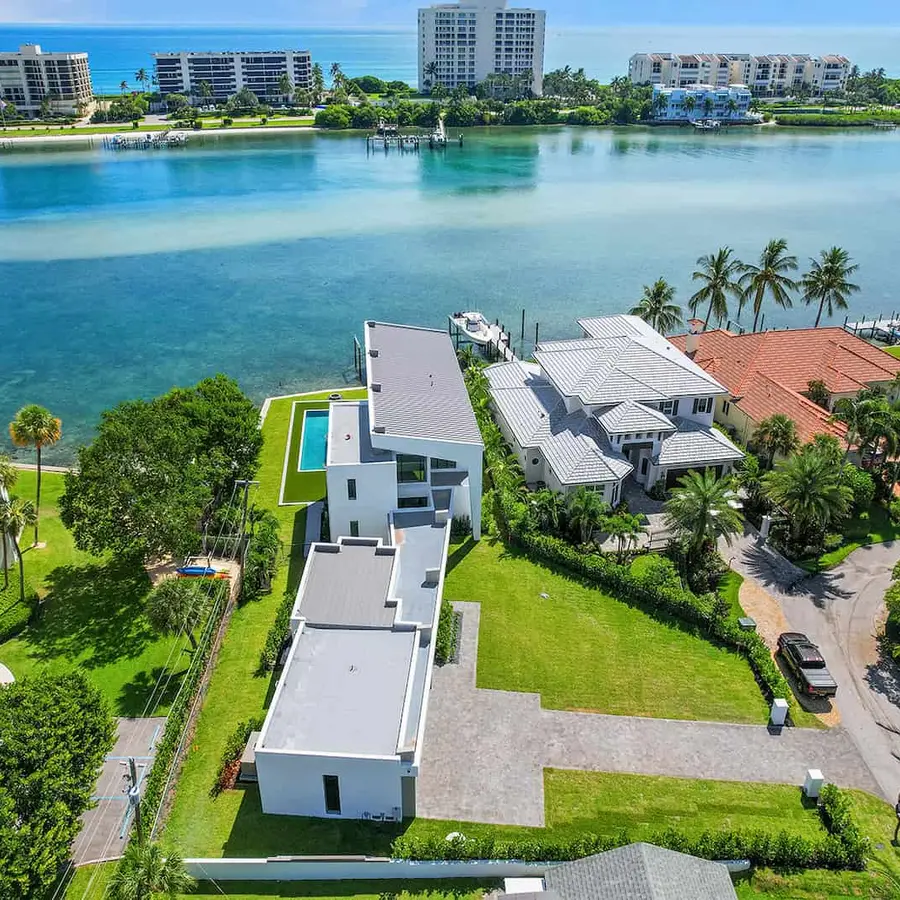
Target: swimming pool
x=314 y=441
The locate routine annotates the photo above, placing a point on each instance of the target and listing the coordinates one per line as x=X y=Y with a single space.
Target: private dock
x=493 y=341
x=879 y=329
x=149 y=141
x=387 y=135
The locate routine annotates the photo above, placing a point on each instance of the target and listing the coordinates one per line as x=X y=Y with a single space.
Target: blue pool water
x=315 y=439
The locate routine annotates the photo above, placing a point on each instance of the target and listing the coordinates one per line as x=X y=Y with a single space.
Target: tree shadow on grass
x=150 y=691
x=96 y=607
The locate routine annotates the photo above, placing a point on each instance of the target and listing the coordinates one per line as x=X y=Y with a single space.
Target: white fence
x=333 y=868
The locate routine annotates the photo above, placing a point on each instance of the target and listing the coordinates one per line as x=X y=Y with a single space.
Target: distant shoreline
x=76 y=138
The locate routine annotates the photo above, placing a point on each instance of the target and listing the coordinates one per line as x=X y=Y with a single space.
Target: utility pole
x=134 y=799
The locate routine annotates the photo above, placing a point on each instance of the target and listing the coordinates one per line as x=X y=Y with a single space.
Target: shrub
x=334 y=116
x=832 y=541
x=15 y=615
x=895 y=572
x=894 y=510
x=861 y=483
x=227 y=121
x=278 y=633
x=448 y=623
x=231 y=754
x=460 y=527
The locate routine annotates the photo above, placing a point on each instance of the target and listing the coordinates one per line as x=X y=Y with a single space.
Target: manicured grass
x=730 y=590
x=299 y=486
x=199 y=824
x=581 y=649
x=894 y=351
x=92 y=616
x=872 y=527
x=110 y=128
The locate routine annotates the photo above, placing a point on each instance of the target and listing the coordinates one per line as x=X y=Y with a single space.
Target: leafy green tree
x=16 y=515
x=439 y=92
x=176 y=103
x=828 y=282
x=333 y=116
x=585 y=511
x=303 y=97
x=176 y=605
x=776 y=434
x=749 y=476
x=371 y=84
x=204 y=89
x=626 y=528
x=702 y=509
x=56 y=730
x=809 y=488
x=818 y=392
x=769 y=276
x=657 y=308
x=719 y=274
x=35 y=426
x=243 y=102
x=318 y=82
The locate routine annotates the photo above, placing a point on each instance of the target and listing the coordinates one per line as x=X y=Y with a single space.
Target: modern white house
x=31 y=75
x=344 y=734
x=620 y=402
x=463 y=43
x=701 y=101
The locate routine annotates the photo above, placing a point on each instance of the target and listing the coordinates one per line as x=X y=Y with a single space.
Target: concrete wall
x=376 y=494
x=290 y=784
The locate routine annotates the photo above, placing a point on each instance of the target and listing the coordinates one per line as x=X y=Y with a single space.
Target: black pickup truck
x=803 y=658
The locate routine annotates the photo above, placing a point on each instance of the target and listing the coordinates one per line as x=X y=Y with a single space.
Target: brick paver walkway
x=485 y=751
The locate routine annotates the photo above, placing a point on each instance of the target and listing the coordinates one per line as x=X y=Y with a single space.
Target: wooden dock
x=493 y=341
x=885 y=329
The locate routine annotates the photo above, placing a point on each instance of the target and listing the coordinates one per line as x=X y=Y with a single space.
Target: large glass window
x=443 y=463
x=412 y=502
x=332 y=788
x=410 y=468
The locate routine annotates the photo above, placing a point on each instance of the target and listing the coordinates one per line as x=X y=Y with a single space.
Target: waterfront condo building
x=701 y=101
x=28 y=76
x=766 y=76
x=463 y=43
x=227 y=72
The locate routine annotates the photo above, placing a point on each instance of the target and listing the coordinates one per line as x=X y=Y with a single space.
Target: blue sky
x=563 y=13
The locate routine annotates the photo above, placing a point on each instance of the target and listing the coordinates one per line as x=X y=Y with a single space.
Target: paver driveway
x=485 y=750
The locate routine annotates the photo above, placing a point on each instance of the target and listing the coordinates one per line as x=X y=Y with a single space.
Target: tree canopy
x=56 y=730
x=157 y=468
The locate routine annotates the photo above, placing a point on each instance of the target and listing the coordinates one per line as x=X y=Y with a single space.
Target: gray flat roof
x=422 y=393
x=349 y=440
x=347 y=584
x=420 y=544
x=342 y=692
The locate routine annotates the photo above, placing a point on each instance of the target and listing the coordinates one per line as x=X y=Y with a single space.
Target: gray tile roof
x=422 y=393
x=631 y=416
x=616 y=326
x=524 y=397
x=694 y=444
x=640 y=872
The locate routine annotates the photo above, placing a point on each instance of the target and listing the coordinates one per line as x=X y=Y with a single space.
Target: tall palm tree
x=430 y=70
x=123 y=86
x=732 y=107
x=708 y=105
x=204 y=89
x=776 y=434
x=548 y=508
x=719 y=274
x=690 y=104
x=9 y=474
x=142 y=78
x=808 y=487
x=35 y=427
x=337 y=76
x=15 y=516
x=656 y=307
x=660 y=103
x=700 y=509
x=860 y=415
x=145 y=872
x=585 y=509
x=285 y=87
x=770 y=276
x=828 y=281
x=625 y=528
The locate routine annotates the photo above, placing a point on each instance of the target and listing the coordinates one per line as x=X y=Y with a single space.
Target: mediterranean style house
x=769 y=372
x=344 y=734
x=621 y=402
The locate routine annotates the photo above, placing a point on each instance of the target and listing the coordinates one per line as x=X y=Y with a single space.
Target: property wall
x=376 y=495
x=291 y=784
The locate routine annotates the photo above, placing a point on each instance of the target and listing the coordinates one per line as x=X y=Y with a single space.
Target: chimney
x=692 y=341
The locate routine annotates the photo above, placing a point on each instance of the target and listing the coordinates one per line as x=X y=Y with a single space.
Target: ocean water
x=117 y=52
x=123 y=274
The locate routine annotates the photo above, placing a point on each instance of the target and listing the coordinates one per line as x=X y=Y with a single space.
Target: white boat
x=706 y=124
x=476 y=327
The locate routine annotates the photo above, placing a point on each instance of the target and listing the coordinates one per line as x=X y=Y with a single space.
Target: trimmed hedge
x=278 y=633
x=232 y=752
x=841 y=848
x=446 y=634
x=15 y=615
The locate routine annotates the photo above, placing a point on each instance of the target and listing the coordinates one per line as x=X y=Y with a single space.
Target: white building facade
x=772 y=75
x=227 y=72
x=462 y=43
x=30 y=75
x=620 y=402
x=701 y=101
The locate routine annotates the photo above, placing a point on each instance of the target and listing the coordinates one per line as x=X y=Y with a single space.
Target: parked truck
x=807 y=664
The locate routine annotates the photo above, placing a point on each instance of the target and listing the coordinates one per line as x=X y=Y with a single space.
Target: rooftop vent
x=432 y=576
x=378 y=429
x=376 y=386
x=373 y=352
x=370 y=323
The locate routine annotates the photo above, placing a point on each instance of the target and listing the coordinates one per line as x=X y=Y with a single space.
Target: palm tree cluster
x=872 y=423
x=727 y=284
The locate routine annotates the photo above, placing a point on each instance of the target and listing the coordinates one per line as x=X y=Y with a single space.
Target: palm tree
x=625 y=528
x=318 y=82
x=142 y=78
x=9 y=474
x=548 y=508
x=35 y=427
x=777 y=434
x=720 y=275
x=204 y=89
x=176 y=605
x=585 y=509
x=145 y=871
x=656 y=307
x=769 y=277
x=123 y=86
x=732 y=107
x=860 y=415
x=827 y=281
x=690 y=104
x=467 y=357
x=660 y=103
x=15 y=516
x=430 y=70
x=808 y=487
x=285 y=86
x=337 y=76
x=708 y=105
x=701 y=509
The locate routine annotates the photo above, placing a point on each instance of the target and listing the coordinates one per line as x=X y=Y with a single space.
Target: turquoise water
x=124 y=274
x=314 y=441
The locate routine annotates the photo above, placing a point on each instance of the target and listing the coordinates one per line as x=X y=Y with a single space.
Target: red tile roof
x=766 y=372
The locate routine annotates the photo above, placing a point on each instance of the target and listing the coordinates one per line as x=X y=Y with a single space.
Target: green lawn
x=199 y=824
x=92 y=616
x=302 y=487
x=582 y=649
x=872 y=527
x=730 y=590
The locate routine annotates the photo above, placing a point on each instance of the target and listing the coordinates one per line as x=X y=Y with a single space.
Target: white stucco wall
x=376 y=495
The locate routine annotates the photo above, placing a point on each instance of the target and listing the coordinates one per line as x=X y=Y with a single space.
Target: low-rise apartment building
x=30 y=75
x=701 y=101
x=772 y=75
x=345 y=731
x=462 y=43
x=226 y=72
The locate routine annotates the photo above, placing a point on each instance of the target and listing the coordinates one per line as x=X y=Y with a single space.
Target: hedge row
x=232 y=752
x=446 y=634
x=15 y=615
x=278 y=633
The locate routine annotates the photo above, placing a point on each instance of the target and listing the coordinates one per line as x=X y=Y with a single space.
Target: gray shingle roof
x=631 y=416
x=524 y=397
x=422 y=393
x=694 y=444
x=640 y=872
x=616 y=326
